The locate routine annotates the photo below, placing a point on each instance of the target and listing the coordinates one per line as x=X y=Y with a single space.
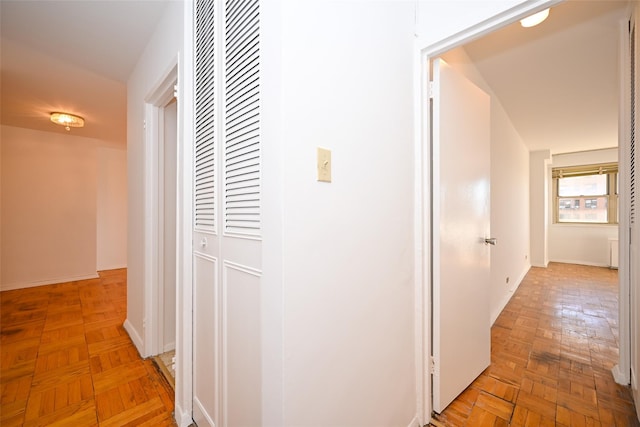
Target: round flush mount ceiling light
x=535 y=19
x=67 y=120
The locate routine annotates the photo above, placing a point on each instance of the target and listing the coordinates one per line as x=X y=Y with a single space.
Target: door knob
x=490 y=241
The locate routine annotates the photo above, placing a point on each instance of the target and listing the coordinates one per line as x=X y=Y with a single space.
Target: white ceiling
x=72 y=56
x=558 y=81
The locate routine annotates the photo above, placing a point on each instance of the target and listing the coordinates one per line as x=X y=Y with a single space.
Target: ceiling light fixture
x=535 y=19
x=67 y=120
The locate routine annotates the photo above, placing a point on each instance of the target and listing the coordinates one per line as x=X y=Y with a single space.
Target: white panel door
x=207 y=382
x=227 y=331
x=634 y=226
x=461 y=261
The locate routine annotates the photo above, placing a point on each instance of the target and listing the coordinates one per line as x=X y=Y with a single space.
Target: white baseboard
x=619 y=377
x=580 y=262
x=169 y=347
x=534 y=264
x=183 y=418
x=111 y=267
x=415 y=422
x=24 y=285
x=134 y=335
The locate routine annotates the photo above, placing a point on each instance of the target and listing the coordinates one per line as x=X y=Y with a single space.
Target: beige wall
x=49 y=211
x=111 y=233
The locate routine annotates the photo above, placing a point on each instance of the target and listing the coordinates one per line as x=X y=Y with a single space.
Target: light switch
x=324 y=165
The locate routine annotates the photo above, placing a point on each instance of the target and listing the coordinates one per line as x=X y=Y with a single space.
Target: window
x=586 y=194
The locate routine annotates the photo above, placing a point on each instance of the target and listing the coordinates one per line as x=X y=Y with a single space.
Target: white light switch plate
x=324 y=165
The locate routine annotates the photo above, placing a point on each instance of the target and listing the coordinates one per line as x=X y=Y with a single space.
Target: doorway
x=161 y=148
x=166 y=286
x=428 y=54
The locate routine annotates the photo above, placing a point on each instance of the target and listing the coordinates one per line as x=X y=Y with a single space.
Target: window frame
x=610 y=169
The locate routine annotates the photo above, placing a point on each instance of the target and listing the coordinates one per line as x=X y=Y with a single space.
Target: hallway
x=67 y=360
x=553 y=347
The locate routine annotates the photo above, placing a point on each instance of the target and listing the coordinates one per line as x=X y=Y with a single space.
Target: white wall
x=111 y=240
x=348 y=245
x=509 y=193
x=347 y=253
x=539 y=177
x=159 y=56
x=580 y=243
x=62 y=213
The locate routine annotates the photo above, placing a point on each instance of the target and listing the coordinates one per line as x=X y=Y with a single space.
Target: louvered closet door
x=207 y=384
x=227 y=235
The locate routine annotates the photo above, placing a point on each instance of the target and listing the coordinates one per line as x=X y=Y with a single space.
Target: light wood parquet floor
x=553 y=348
x=66 y=360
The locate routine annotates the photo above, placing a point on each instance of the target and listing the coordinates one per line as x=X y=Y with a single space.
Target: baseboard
x=112 y=267
x=534 y=264
x=183 y=418
x=169 y=347
x=135 y=337
x=578 y=262
x=509 y=294
x=619 y=377
x=415 y=422
x=24 y=285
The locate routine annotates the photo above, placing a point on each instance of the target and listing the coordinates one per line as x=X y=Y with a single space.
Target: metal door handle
x=490 y=241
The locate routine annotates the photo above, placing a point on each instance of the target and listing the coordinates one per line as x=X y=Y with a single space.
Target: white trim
x=424 y=54
x=619 y=376
x=622 y=371
x=242 y=268
x=112 y=267
x=133 y=334
x=23 y=285
x=421 y=221
x=485 y=27
x=580 y=262
x=183 y=418
x=184 y=223
x=415 y=422
x=155 y=102
x=203 y=411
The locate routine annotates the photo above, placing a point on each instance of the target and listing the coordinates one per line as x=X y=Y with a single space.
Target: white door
x=461 y=261
x=227 y=253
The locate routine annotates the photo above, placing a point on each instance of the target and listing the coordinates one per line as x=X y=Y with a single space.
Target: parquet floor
x=66 y=360
x=553 y=348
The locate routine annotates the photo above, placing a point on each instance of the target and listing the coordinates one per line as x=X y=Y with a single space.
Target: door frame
x=622 y=371
x=155 y=102
x=424 y=54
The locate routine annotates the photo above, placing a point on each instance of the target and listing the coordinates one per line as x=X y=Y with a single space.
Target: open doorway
x=167 y=180
x=161 y=127
x=504 y=158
